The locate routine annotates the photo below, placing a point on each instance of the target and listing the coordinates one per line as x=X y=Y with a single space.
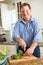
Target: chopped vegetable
x=20 y=52
x=13 y=57
x=18 y=55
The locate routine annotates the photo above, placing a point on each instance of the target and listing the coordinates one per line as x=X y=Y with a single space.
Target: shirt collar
x=31 y=20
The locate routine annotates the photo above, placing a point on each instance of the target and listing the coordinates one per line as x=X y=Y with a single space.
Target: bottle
x=5 y=49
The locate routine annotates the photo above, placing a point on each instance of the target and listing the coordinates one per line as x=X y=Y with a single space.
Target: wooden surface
x=17 y=62
x=28 y=62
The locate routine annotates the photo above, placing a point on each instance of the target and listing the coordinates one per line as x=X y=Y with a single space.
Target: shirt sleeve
x=37 y=33
x=15 y=33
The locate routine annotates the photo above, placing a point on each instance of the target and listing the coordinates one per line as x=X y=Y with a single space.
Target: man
x=27 y=32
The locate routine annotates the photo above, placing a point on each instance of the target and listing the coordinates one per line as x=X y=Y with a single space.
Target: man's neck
x=26 y=21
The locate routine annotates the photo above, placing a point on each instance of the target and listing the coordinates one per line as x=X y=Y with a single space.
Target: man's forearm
x=21 y=43
x=19 y=40
x=34 y=45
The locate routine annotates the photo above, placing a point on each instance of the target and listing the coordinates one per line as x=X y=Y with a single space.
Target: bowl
x=3 y=59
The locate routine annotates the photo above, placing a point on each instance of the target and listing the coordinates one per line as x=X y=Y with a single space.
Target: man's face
x=26 y=13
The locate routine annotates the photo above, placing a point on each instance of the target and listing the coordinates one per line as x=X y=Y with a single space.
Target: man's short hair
x=26 y=4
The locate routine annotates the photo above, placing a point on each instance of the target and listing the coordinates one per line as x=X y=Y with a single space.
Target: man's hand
x=29 y=51
x=21 y=43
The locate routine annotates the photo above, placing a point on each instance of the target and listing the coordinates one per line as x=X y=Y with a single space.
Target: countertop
x=14 y=43
x=8 y=43
x=41 y=44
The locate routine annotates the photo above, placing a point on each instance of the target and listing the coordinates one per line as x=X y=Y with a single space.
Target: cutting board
x=23 y=59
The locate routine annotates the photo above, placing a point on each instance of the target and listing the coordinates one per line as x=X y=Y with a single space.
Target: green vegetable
x=1 y=57
x=13 y=57
x=20 y=52
x=18 y=55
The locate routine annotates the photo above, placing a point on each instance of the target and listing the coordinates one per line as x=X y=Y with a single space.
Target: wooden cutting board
x=23 y=59
x=38 y=61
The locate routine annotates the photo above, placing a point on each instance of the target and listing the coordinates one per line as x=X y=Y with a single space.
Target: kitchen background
x=10 y=12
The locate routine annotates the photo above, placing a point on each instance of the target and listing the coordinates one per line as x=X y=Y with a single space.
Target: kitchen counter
x=8 y=43
x=41 y=44
x=14 y=43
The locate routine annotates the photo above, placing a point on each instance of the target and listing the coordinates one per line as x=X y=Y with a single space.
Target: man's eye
x=22 y=11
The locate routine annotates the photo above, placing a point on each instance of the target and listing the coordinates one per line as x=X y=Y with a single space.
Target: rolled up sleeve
x=37 y=33
x=15 y=33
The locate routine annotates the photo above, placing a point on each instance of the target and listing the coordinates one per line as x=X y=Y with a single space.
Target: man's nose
x=25 y=13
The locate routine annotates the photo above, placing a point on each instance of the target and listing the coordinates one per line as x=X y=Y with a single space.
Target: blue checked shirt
x=28 y=32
